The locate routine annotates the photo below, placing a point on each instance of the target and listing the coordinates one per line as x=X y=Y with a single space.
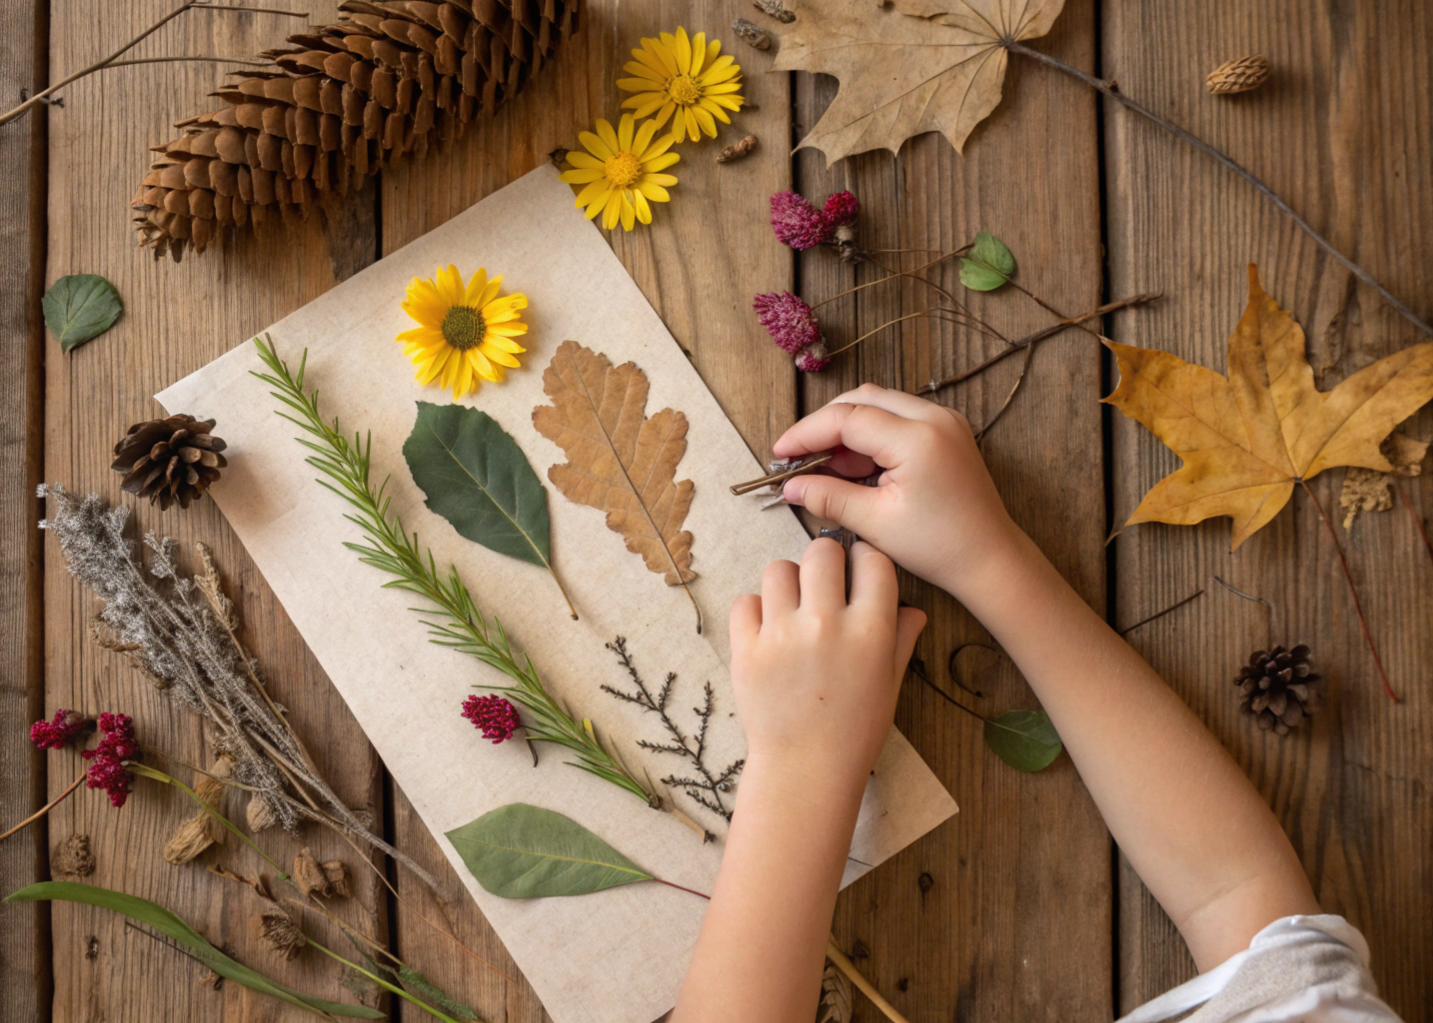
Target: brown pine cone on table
x=388 y=78
x=1278 y=688
x=169 y=460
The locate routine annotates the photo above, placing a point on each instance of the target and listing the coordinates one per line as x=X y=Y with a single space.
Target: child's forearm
x=762 y=945
x=1190 y=822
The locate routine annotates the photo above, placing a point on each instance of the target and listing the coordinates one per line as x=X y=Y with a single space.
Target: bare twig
x=1109 y=89
x=44 y=809
x=809 y=465
x=113 y=59
x=1247 y=596
x=1160 y=614
x=1417 y=521
x=1024 y=369
x=1357 y=604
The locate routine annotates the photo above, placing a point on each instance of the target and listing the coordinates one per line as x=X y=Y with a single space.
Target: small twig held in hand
x=1417 y=521
x=113 y=58
x=1030 y=339
x=810 y=464
x=1357 y=604
x=1160 y=614
x=1109 y=89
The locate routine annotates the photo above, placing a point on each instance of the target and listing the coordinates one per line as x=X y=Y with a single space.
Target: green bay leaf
x=520 y=851
x=1024 y=739
x=476 y=477
x=159 y=919
x=80 y=307
x=989 y=265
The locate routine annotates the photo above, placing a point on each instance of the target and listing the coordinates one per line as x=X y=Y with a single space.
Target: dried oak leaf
x=619 y=459
x=1248 y=438
x=907 y=67
x=1367 y=490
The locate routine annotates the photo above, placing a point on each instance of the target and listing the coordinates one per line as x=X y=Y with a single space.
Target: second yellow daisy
x=621 y=172
x=688 y=78
x=465 y=333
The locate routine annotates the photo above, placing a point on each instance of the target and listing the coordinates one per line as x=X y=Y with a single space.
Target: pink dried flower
x=56 y=734
x=494 y=715
x=107 y=768
x=813 y=359
x=841 y=209
x=796 y=222
x=790 y=321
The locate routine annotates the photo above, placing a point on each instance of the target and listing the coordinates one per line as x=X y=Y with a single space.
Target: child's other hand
x=815 y=676
x=935 y=509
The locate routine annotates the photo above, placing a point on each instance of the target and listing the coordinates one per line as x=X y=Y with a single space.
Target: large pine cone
x=1278 y=688
x=389 y=78
x=168 y=460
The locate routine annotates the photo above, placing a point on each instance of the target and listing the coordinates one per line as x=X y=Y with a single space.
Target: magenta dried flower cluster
x=792 y=325
x=493 y=715
x=108 y=770
x=57 y=733
x=798 y=223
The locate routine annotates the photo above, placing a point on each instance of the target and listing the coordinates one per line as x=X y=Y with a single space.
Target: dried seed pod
x=737 y=150
x=340 y=881
x=259 y=813
x=309 y=876
x=202 y=830
x=73 y=857
x=775 y=9
x=280 y=933
x=751 y=34
x=1238 y=75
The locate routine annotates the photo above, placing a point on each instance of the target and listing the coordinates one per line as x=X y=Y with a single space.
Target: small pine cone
x=390 y=77
x=168 y=460
x=1277 y=687
x=1239 y=75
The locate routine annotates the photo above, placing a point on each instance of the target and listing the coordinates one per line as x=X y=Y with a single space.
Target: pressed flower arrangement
x=466 y=333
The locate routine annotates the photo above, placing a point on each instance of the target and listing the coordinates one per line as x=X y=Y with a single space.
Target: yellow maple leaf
x=908 y=67
x=1248 y=438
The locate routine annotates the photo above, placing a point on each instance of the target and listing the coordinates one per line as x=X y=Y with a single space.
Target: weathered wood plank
x=1342 y=131
x=1004 y=912
x=699 y=263
x=177 y=319
x=24 y=929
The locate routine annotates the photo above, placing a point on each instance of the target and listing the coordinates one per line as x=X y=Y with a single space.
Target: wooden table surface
x=1019 y=908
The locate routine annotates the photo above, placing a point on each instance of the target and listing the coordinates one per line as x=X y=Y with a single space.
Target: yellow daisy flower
x=622 y=172
x=465 y=333
x=686 y=77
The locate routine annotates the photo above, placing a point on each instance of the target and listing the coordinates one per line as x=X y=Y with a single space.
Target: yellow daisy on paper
x=685 y=77
x=621 y=172
x=465 y=333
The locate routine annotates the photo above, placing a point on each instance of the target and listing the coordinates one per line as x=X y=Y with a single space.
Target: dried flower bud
x=309 y=876
x=841 y=209
x=737 y=150
x=73 y=857
x=813 y=359
x=340 y=881
x=280 y=933
x=107 y=760
x=797 y=222
x=751 y=34
x=790 y=321
x=494 y=716
x=57 y=732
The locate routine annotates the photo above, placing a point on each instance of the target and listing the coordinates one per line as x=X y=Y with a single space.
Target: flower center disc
x=684 y=90
x=623 y=170
x=463 y=327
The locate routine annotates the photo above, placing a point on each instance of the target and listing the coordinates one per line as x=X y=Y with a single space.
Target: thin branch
x=1024 y=369
x=1417 y=521
x=110 y=61
x=1357 y=604
x=1160 y=614
x=810 y=464
x=1109 y=89
x=1039 y=335
x=1247 y=596
x=44 y=809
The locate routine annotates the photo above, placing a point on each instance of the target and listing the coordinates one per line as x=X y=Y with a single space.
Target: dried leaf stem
x=1417 y=520
x=1353 y=590
x=1111 y=90
x=457 y=622
x=45 y=809
x=113 y=59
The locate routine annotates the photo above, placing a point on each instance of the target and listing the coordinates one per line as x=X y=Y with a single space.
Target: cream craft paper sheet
x=617 y=956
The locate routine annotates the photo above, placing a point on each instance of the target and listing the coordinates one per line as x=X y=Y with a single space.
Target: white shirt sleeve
x=1301 y=969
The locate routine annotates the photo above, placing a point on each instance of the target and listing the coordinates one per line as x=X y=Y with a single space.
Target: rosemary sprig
x=454 y=620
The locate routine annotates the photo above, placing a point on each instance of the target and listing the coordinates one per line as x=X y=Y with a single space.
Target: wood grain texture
x=24 y=930
x=1342 y=131
x=706 y=253
x=1004 y=912
x=177 y=318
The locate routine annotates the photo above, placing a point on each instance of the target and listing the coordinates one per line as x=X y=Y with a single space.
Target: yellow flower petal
x=644 y=211
x=584 y=161
x=644 y=137
x=581 y=177
x=652 y=63
x=661 y=163
x=699 y=53
x=629 y=213
x=612 y=210
x=722 y=89
x=595 y=145
x=644 y=106
x=422 y=335
x=653 y=191
x=704 y=118
x=729 y=102
x=478 y=363
x=499 y=357
x=595 y=192
x=721 y=69
x=424 y=303
x=607 y=135
x=502 y=334
x=683 y=50
x=660 y=179
x=624 y=133
x=477 y=284
x=450 y=285
x=666 y=60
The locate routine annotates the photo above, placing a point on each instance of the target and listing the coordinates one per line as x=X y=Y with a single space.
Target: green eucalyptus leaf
x=162 y=920
x=1024 y=739
x=989 y=265
x=521 y=851
x=80 y=307
x=477 y=478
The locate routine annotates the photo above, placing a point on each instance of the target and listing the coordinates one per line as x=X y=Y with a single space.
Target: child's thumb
x=830 y=497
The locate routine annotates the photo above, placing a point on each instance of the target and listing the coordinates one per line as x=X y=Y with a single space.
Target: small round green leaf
x=520 y=851
x=80 y=307
x=1024 y=739
x=989 y=265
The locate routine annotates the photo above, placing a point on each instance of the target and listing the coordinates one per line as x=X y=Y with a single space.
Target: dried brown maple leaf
x=1248 y=438
x=619 y=459
x=907 y=67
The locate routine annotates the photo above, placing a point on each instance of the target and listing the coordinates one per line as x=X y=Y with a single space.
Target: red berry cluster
x=798 y=223
x=107 y=760
x=495 y=716
x=57 y=734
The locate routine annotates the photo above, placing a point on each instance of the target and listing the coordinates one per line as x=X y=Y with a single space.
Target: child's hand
x=934 y=510
x=816 y=677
